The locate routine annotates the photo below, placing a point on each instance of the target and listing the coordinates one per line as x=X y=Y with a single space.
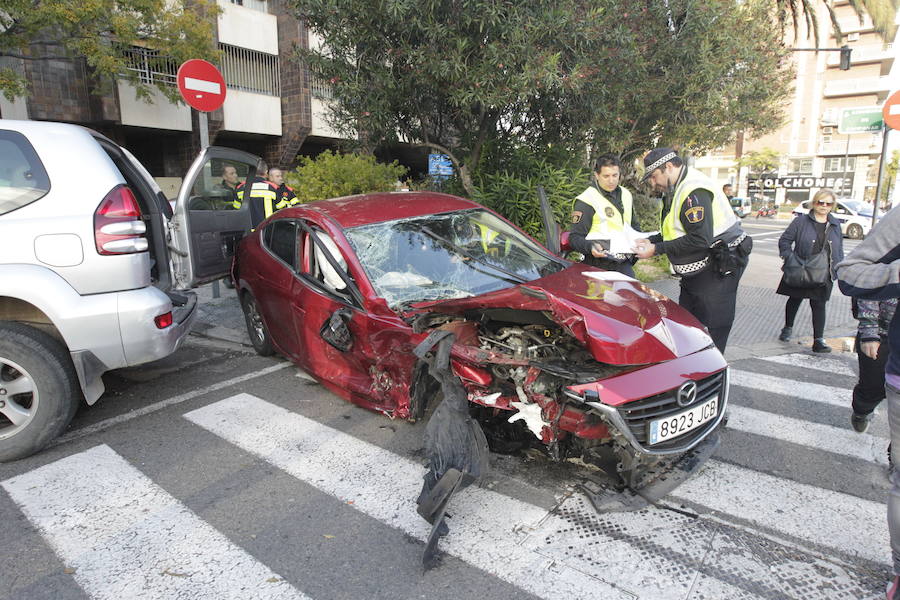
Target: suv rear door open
x=207 y=226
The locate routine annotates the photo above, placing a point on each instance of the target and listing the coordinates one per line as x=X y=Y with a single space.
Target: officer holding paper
x=702 y=238
x=602 y=217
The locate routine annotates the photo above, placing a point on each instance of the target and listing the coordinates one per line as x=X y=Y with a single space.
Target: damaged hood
x=619 y=320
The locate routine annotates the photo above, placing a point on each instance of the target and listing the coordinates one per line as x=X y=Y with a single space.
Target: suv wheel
x=256 y=329
x=38 y=390
x=855 y=231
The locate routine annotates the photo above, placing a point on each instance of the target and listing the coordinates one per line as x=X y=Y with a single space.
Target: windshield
x=859 y=207
x=450 y=255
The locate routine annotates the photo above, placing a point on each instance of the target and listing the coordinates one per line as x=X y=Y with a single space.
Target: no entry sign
x=891 y=111
x=201 y=85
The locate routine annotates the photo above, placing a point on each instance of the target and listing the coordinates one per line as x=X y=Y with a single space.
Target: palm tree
x=882 y=12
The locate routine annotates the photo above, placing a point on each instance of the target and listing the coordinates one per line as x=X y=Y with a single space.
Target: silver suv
x=96 y=267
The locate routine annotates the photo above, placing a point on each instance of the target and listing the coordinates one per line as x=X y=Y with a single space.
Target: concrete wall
x=247 y=28
x=158 y=113
x=251 y=113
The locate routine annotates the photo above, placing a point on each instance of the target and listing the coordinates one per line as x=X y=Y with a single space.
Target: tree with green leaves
x=882 y=12
x=100 y=31
x=761 y=161
x=463 y=76
x=891 y=167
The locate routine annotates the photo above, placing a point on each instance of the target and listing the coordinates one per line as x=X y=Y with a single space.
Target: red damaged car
x=535 y=350
x=584 y=362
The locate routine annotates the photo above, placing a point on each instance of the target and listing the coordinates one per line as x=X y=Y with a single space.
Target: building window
x=800 y=165
x=250 y=71
x=151 y=66
x=836 y=164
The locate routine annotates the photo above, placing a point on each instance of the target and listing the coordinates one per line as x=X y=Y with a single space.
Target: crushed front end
x=533 y=383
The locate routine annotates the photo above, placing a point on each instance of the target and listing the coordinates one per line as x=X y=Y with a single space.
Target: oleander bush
x=331 y=175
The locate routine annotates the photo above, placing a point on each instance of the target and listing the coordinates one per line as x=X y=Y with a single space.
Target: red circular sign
x=201 y=85
x=891 y=111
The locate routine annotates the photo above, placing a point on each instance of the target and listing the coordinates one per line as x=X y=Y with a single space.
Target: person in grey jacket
x=805 y=236
x=872 y=271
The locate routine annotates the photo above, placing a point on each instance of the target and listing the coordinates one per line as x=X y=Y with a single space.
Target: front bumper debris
x=656 y=482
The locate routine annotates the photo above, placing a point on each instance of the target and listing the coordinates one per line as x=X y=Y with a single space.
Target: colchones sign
x=798 y=182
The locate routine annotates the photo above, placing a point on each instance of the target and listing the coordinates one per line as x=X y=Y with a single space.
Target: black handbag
x=810 y=272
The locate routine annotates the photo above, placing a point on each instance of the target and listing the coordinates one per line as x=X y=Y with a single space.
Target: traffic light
x=845 y=57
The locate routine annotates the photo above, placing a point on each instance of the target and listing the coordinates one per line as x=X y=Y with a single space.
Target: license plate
x=679 y=424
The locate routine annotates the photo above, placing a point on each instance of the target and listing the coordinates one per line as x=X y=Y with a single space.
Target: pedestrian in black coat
x=806 y=236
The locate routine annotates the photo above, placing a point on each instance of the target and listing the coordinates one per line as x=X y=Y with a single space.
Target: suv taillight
x=118 y=228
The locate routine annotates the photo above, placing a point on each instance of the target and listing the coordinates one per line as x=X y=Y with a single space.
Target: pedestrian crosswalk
x=768 y=242
x=731 y=531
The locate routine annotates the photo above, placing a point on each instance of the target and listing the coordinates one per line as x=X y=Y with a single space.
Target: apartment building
x=271 y=108
x=812 y=152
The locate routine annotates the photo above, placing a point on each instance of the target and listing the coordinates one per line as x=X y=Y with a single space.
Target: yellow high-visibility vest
x=607 y=218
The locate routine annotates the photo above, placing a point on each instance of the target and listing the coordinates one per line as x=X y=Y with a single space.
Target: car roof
x=352 y=211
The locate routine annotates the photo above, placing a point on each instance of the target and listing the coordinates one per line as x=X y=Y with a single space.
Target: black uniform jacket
x=698 y=237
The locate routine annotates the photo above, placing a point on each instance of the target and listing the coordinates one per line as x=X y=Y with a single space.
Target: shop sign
x=799 y=182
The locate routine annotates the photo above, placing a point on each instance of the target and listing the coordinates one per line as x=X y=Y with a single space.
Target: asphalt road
x=220 y=474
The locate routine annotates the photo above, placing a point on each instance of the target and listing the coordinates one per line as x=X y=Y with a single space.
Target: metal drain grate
x=661 y=554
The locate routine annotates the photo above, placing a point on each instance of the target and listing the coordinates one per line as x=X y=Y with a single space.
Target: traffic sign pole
x=890 y=113
x=203 y=88
x=884 y=141
x=204 y=130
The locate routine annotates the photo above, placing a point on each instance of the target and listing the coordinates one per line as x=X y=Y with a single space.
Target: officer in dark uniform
x=285 y=194
x=702 y=238
x=601 y=211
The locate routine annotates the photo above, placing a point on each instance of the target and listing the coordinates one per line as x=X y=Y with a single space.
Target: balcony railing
x=320 y=89
x=857 y=86
x=150 y=66
x=250 y=71
x=839 y=148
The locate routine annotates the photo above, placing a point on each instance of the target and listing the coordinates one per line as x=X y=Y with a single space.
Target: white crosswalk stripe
x=770 y=384
x=149 y=541
x=815 y=362
x=830 y=519
x=125 y=537
x=339 y=464
x=814 y=435
x=385 y=486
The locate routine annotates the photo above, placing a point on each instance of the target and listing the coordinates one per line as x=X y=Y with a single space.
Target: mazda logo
x=687 y=393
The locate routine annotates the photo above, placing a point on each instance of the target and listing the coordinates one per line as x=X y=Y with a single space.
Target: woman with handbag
x=810 y=247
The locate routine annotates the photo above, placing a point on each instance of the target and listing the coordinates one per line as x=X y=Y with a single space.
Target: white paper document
x=622 y=242
x=609 y=276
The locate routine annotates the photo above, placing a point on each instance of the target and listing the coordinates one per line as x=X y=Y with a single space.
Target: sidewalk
x=760 y=316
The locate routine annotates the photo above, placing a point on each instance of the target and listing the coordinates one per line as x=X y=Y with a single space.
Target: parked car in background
x=741 y=206
x=581 y=362
x=855 y=217
x=95 y=269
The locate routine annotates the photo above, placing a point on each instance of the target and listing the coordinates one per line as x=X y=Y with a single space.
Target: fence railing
x=250 y=70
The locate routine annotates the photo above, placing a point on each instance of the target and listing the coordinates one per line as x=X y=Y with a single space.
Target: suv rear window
x=22 y=176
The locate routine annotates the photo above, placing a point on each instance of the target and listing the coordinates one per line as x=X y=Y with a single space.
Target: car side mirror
x=335 y=330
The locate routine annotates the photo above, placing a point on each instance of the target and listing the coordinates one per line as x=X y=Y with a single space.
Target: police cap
x=655 y=159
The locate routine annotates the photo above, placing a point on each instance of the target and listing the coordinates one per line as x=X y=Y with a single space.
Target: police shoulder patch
x=576 y=216
x=694 y=214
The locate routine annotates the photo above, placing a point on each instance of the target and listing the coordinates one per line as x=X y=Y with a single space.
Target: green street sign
x=863 y=119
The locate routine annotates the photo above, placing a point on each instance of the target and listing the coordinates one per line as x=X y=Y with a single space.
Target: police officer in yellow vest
x=599 y=212
x=702 y=238
x=264 y=198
